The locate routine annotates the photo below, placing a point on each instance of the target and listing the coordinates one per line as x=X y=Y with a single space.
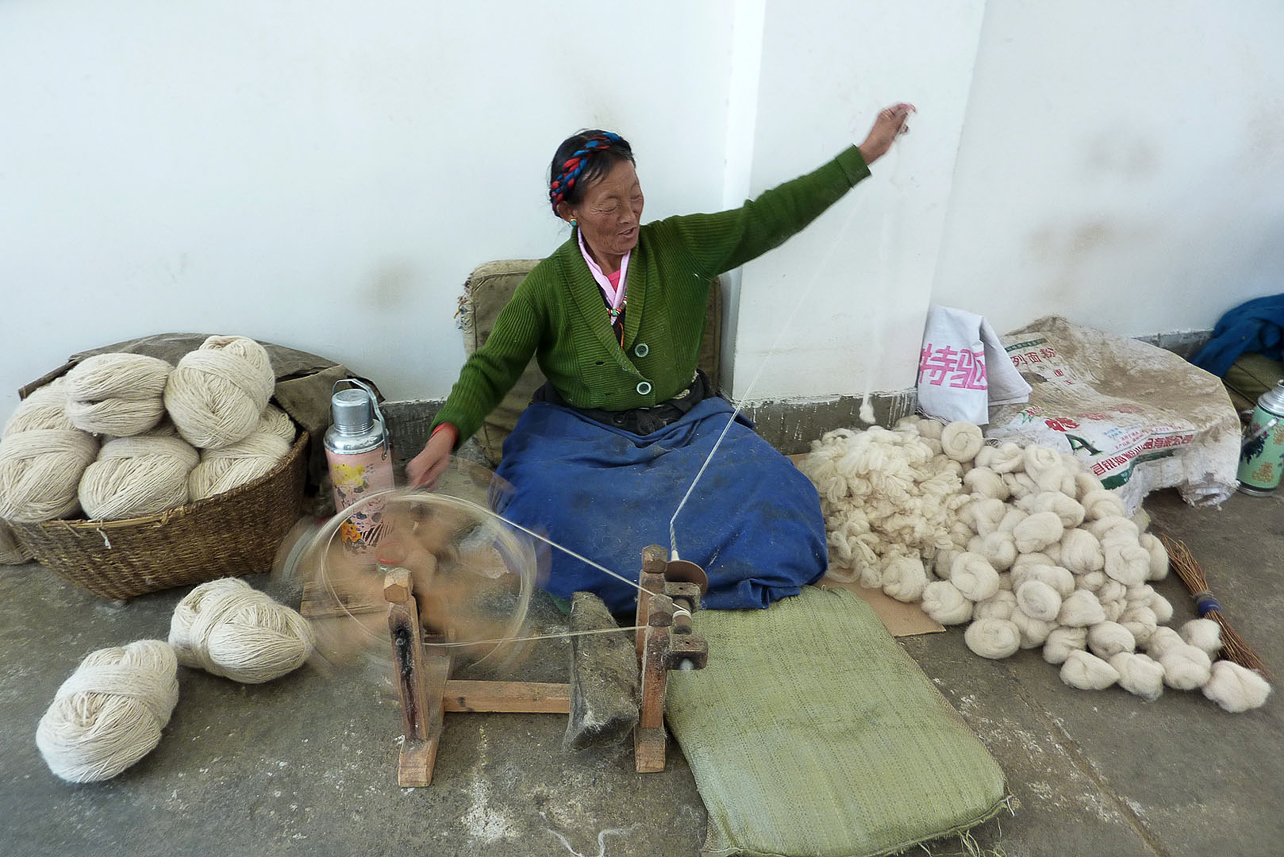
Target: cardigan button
x=641 y=349
x=644 y=388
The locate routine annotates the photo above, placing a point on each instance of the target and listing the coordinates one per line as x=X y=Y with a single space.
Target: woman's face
x=610 y=214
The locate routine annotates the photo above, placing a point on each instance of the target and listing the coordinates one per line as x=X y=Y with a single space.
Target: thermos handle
x=374 y=404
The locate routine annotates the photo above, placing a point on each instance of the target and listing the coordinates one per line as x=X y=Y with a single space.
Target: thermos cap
x=350 y=411
x=1273 y=400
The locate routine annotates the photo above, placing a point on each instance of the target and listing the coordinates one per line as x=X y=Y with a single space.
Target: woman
x=609 y=447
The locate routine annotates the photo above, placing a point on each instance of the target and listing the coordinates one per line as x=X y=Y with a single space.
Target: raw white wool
x=998 y=548
x=992 y=638
x=45 y=408
x=1011 y=519
x=110 y=712
x=1005 y=458
x=1161 y=640
x=998 y=606
x=1112 y=590
x=1158 y=555
x=1113 y=529
x=1059 y=578
x=1107 y=639
x=904 y=578
x=1129 y=565
x=1162 y=608
x=216 y=394
x=961 y=441
x=1081 y=609
x=1114 y=609
x=1140 y=622
x=40 y=470
x=1236 y=688
x=1081 y=552
x=985 y=515
x=137 y=476
x=1034 y=632
x=1038 y=600
x=1044 y=465
x=1141 y=518
x=984 y=482
x=932 y=429
x=1066 y=508
x=1203 y=634
x=1100 y=503
x=943 y=602
x=1005 y=582
x=228 y=628
x=1053 y=552
x=221 y=470
x=1038 y=531
x=1020 y=485
x=1139 y=675
x=1062 y=641
x=974 y=577
x=1092 y=581
x=1088 y=672
x=943 y=561
x=116 y=394
x=1185 y=667
x=1026 y=560
x=1086 y=483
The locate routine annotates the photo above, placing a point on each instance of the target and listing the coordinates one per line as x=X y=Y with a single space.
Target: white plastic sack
x=1140 y=418
x=963 y=370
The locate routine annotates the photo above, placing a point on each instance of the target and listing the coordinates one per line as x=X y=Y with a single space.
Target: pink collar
x=614 y=294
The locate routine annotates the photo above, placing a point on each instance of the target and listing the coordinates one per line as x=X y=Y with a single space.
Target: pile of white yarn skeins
x=1024 y=547
x=111 y=711
x=221 y=433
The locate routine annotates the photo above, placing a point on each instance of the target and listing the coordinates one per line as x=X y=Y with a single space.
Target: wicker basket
x=227 y=535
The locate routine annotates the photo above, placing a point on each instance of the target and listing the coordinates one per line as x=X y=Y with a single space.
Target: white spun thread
x=110 y=712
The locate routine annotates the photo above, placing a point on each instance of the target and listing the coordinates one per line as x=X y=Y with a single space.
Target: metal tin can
x=359 y=454
x=1261 y=458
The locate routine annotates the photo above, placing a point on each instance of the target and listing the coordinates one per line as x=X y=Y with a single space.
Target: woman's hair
x=583 y=158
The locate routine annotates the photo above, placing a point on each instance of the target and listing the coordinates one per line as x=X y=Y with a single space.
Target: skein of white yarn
x=45 y=408
x=110 y=712
x=228 y=628
x=238 y=464
x=117 y=394
x=217 y=393
x=137 y=476
x=40 y=470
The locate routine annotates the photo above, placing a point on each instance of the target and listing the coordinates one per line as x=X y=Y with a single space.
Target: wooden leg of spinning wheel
x=649 y=740
x=420 y=682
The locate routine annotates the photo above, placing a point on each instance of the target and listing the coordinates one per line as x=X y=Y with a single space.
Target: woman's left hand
x=887 y=126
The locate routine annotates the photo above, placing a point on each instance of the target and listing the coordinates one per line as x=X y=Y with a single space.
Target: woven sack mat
x=811 y=733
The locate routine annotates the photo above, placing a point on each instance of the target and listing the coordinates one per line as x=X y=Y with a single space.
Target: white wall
x=1122 y=164
x=325 y=175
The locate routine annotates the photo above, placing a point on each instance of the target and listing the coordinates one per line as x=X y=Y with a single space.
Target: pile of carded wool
x=1023 y=546
x=221 y=434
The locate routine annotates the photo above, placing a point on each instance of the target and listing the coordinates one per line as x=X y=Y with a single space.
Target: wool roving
x=998 y=606
x=1020 y=485
x=985 y=514
x=984 y=482
x=904 y=578
x=45 y=408
x=117 y=394
x=1011 y=519
x=974 y=577
x=998 y=548
x=992 y=638
x=943 y=602
x=1062 y=641
x=1066 y=508
x=137 y=476
x=1099 y=503
x=1236 y=688
x=1161 y=640
x=1162 y=608
x=221 y=470
x=1038 y=531
x=1081 y=552
x=110 y=712
x=1158 y=555
x=1139 y=674
x=1185 y=667
x=1081 y=610
x=1087 y=672
x=1203 y=634
x=1128 y=564
x=1038 y=600
x=930 y=429
x=217 y=393
x=961 y=441
x=40 y=470
x=1034 y=632
x=1058 y=577
x=1085 y=483
x=1005 y=458
x=228 y=628
x=1107 y=639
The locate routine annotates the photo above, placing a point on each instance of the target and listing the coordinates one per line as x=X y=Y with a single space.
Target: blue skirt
x=753 y=521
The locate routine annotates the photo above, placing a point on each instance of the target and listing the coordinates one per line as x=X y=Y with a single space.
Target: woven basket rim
x=77 y=525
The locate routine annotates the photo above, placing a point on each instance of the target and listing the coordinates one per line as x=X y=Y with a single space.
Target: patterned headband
x=564 y=182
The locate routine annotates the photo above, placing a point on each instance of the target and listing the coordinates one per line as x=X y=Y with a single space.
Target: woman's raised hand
x=890 y=122
x=426 y=468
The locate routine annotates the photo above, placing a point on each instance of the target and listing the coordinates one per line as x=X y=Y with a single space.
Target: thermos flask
x=359 y=454
x=1261 y=458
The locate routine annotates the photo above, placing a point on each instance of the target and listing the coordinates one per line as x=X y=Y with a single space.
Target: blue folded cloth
x=1253 y=326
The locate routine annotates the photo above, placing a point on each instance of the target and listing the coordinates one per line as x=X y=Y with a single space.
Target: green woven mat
x=812 y=734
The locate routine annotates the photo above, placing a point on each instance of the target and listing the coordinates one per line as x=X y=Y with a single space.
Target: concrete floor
x=306 y=765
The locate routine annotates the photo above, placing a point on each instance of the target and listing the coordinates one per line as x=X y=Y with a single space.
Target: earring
x=574 y=222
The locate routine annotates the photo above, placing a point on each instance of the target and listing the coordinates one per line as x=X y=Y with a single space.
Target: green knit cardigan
x=557 y=312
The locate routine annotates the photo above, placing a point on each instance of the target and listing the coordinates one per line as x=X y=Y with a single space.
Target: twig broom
x=1233 y=646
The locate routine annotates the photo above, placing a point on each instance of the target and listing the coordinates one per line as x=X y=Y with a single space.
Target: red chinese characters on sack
x=958 y=369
